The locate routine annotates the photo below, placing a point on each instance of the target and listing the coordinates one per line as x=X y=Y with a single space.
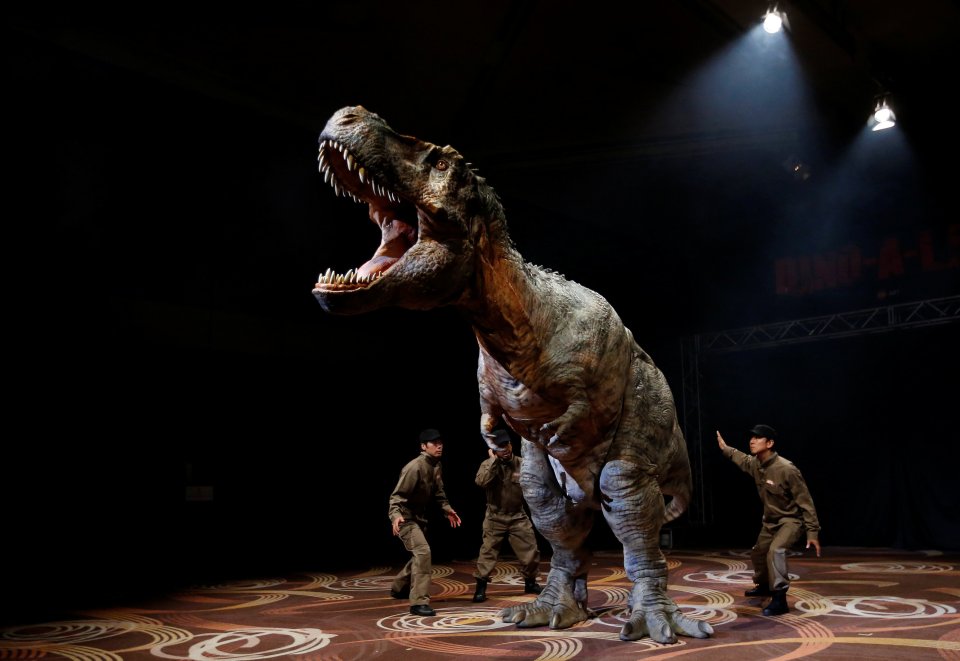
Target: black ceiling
x=646 y=144
x=507 y=78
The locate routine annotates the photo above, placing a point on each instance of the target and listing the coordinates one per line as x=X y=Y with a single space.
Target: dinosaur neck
x=503 y=305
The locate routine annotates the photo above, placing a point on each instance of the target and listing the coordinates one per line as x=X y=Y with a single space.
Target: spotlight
x=797 y=168
x=773 y=20
x=883 y=116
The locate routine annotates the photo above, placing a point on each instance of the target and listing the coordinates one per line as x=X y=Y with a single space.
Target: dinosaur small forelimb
x=487 y=423
x=561 y=604
x=558 y=428
x=654 y=614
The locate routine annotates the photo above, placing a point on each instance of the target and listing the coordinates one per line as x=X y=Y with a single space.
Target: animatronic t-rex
x=556 y=363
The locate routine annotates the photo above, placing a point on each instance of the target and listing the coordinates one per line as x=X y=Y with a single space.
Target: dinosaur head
x=425 y=200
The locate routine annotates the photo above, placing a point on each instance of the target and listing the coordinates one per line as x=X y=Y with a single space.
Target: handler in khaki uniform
x=420 y=483
x=505 y=517
x=788 y=511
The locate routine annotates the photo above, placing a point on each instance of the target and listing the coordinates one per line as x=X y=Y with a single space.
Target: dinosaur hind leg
x=565 y=524
x=633 y=507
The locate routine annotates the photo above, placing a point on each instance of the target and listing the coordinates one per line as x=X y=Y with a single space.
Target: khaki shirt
x=501 y=480
x=782 y=489
x=421 y=481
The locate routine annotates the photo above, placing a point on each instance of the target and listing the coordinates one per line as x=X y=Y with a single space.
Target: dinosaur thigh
x=633 y=507
x=563 y=517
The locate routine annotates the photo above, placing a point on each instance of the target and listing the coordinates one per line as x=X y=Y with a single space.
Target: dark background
x=165 y=224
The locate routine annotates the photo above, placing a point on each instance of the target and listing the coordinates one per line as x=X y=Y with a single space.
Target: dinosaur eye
x=442 y=165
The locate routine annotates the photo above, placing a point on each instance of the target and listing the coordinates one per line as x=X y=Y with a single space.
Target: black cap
x=764 y=431
x=429 y=435
x=501 y=438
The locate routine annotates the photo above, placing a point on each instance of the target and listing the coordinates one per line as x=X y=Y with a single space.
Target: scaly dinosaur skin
x=556 y=363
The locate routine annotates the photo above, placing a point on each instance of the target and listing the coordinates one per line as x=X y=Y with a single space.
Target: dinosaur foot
x=660 y=619
x=555 y=606
x=663 y=627
x=558 y=616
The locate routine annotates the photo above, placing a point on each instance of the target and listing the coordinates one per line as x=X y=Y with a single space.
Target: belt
x=497 y=510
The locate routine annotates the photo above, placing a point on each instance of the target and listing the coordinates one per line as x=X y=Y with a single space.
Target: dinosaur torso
x=556 y=363
x=553 y=364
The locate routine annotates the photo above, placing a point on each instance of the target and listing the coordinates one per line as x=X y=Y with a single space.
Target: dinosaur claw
x=632 y=630
x=693 y=628
x=512 y=615
x=660 y=629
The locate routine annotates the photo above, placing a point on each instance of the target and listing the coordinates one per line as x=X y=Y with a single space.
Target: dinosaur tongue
x=376 y=265
x=396 y=238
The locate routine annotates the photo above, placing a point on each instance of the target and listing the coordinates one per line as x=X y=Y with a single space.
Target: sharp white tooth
x=350 y=161
x=343 y=150
x=322 y=159
x=326 y=176
x=362 y=174
x=336 y=189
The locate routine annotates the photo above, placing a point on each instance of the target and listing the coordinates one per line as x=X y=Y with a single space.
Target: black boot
x=777 y=605
x=759 y=591
x=530 y=586
x=481 y=593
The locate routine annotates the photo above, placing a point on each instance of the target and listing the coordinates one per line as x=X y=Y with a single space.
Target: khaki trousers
x=769 y=554
x=517 y=528
x=416 y=573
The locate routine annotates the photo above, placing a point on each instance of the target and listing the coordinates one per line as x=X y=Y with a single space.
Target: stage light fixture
x=773 y=20
x=883 y=116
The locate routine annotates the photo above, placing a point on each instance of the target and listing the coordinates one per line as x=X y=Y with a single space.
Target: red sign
x=930 y=252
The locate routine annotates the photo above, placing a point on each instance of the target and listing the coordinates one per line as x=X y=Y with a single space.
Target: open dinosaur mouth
x=397 y=219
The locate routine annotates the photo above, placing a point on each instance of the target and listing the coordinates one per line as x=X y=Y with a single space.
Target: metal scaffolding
x=859 y=322
x=928 y=312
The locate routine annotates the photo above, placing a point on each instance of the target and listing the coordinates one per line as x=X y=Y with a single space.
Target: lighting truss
x=872 y=320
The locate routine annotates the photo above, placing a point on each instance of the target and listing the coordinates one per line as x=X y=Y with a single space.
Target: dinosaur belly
x=526 y=410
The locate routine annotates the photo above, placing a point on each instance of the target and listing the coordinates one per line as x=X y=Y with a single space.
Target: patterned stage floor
x=850 y=603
